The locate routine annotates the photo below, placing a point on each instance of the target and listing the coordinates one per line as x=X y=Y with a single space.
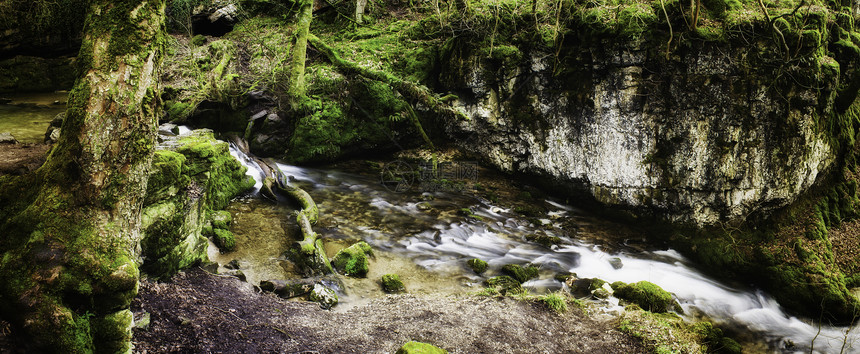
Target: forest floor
x=204 y=313
x=18 y=159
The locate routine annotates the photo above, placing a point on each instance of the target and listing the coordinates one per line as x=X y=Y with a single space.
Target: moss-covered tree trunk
x=69 y=232
x=299 y=55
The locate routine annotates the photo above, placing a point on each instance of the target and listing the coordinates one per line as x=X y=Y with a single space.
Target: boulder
x=647 y=295
x=477 y=265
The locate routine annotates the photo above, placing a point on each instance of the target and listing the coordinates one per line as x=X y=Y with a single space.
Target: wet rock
x=424 y=206
x=564 y=276
x=543 y=239
x=616 y=263
x=353 y=260
x=210 y=267
x=505 y=285
x=520 y=273
x=236 y=273
x=288 y=289
x=477 y=265
x=233 y=264
x=391 y=284
x=7 y=138
x=580 y=287
x=420 y=348
x=323 y=295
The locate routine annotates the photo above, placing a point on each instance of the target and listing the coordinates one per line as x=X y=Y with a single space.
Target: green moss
x=224 y=240
x=477 y=265
x=647 y=295
x=391 y=283
x=543 y=239
x=420 y=348
x=353 y=260
x=714 y=340
x=505 y=285
x=660 y=332
x=520 y=273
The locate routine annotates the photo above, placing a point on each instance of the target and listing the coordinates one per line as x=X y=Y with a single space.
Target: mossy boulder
x=647 y=295
x=391 y=284
x=221 y=219
x=420 y=348
x=353 y=260
x=505 y=285
x=715 y=340
x=520 y=273
x=477 y=265
x=224 y=240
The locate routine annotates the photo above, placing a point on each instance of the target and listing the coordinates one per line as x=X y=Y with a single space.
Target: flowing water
x=427 y=237
x=27 y=116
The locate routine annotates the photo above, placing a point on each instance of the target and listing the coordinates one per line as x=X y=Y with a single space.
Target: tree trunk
x=71 y=235
x=299 y=56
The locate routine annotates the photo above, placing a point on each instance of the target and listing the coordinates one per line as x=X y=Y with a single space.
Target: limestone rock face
x=699 y=137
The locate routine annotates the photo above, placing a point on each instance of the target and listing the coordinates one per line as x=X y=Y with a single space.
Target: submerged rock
x=353 y=260
x=420 y=348
x=325 y=296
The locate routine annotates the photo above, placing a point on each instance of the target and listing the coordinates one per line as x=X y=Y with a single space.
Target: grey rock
x=7 y=138
x=326 y=297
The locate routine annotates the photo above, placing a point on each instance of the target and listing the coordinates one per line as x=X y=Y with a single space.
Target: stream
x=28 y=115
x=426 y=239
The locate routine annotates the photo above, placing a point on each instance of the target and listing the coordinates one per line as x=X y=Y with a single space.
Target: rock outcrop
x=701 y=136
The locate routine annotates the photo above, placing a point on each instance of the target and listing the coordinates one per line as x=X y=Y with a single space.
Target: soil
x=198 y=312
x=19 y=159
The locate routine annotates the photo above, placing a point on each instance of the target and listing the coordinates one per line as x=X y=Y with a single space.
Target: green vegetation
x=555 y=301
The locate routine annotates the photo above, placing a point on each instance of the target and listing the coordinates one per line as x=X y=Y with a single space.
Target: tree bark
x=71 y=237
x=299 y=55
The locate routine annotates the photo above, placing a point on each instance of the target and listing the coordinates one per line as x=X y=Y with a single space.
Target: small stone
x=424 y=206
x=325 y=296
x=420 y=348
x=236 y=273
x=210 y=267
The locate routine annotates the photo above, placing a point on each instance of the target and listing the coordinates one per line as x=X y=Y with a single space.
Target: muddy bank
x=200 y=312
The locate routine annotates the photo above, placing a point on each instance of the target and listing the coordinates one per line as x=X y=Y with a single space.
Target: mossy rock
x=323 y=295
x=715 y=340
x=224 y=240
x=221 y=219
x=353 y=260
x=585 y=286
x=391 y=284
x=543 y=239
x=477 y=265
x=420 y=348
x=520 y=273
x=647 y=295
x=505 y=285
